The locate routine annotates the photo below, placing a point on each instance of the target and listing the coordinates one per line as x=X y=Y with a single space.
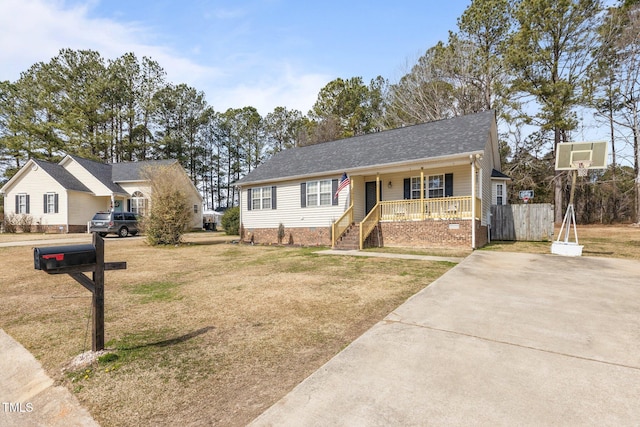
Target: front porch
x=447 y=219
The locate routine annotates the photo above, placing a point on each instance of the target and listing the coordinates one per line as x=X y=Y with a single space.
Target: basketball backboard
x=593 y=155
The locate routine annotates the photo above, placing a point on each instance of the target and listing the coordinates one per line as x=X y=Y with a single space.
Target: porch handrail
x=369 y=223
x=341 y=224
x=459 y=207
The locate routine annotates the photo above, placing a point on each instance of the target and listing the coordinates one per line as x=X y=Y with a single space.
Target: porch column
x=422 y=192
x=473 y=201
x=350 y=193
x=377 y=188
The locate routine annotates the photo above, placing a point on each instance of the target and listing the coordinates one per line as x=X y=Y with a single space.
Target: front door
x=370 y=195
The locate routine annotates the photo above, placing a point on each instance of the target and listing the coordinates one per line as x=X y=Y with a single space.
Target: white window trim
x=22 y=203
x=138 y=203
x=322 y=198
x=51 y=203
x=415 y=187
x=261 y=198
x=440 y=188
x=499 y=194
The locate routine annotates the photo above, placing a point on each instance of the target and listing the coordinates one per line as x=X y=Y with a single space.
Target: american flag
x=344 y=182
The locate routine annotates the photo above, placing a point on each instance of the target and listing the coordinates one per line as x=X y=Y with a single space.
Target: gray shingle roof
x=131 y=171
x=62 y=176
x=459 y=135
x=102 y=171
x=498 y=174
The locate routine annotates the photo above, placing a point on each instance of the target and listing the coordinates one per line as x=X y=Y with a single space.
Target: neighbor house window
x=50 y=203
x=436 y=186
x=22 y=203
x=138 y=203
x=499 y=194
x=319 y=193
x=261 y=198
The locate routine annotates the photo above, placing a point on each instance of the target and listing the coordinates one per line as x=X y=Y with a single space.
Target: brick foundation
x=302 y=236
x=54 y=229
x=482 y=236
x=429 y=233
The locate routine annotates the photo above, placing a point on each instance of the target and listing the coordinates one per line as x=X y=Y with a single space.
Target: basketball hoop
x=582 y=166
x=525 y=199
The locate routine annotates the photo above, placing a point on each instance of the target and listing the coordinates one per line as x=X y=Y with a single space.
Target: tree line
x=537 y=63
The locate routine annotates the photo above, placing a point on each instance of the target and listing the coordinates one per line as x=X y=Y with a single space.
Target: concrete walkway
x=28 y=397
x=389 y=255
x=501 y=339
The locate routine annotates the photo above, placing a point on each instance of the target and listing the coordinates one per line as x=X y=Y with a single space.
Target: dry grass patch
x=205 y=333
x=612 y=241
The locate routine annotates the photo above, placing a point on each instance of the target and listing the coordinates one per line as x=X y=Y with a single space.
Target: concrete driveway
x=501 y=339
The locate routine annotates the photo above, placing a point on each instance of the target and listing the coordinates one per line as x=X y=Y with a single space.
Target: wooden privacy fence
x=530 y=222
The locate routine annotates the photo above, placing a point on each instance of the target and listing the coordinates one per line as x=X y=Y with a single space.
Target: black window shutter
x=128 y=205
x=303 y=194
x=334 y=188
x=28 y=211
x=44 y=203
x=55 y=203
x=448 y=185
x=17 y=204
x=249 y=199
x=273 y=197
x=407 y=188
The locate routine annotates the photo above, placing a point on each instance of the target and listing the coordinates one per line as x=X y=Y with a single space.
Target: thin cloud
x=36 y=30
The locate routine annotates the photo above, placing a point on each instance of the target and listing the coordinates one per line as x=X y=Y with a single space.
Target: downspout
x=473 y=201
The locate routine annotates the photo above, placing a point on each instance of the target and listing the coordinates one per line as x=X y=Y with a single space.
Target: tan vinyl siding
x=358 y=198
x=133 y=186
x=82 y=207
x=487 y=167
x=91 y=182
x=36 y=182
x=144 y=187
x=289 y=212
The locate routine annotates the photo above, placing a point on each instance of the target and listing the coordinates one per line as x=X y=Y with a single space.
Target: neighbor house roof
x=62 y=176
x=102 y=171
x=456 y=136
x=498 y=174
x=132 y=171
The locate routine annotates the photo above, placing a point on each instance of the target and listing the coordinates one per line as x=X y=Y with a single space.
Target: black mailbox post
x=57 y=258
x=75 y=260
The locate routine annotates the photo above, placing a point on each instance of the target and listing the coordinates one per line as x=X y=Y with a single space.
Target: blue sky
x=260 y=53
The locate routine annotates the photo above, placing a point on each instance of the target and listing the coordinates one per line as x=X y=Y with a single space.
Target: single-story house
x=63 y=197
x=425 y=185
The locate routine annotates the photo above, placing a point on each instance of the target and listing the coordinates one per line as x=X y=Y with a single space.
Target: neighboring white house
x=499 y=188
x=423 y=185
x=63 y=197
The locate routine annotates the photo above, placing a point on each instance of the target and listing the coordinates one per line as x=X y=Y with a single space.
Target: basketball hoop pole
x=577 y=157
x=570 y=216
